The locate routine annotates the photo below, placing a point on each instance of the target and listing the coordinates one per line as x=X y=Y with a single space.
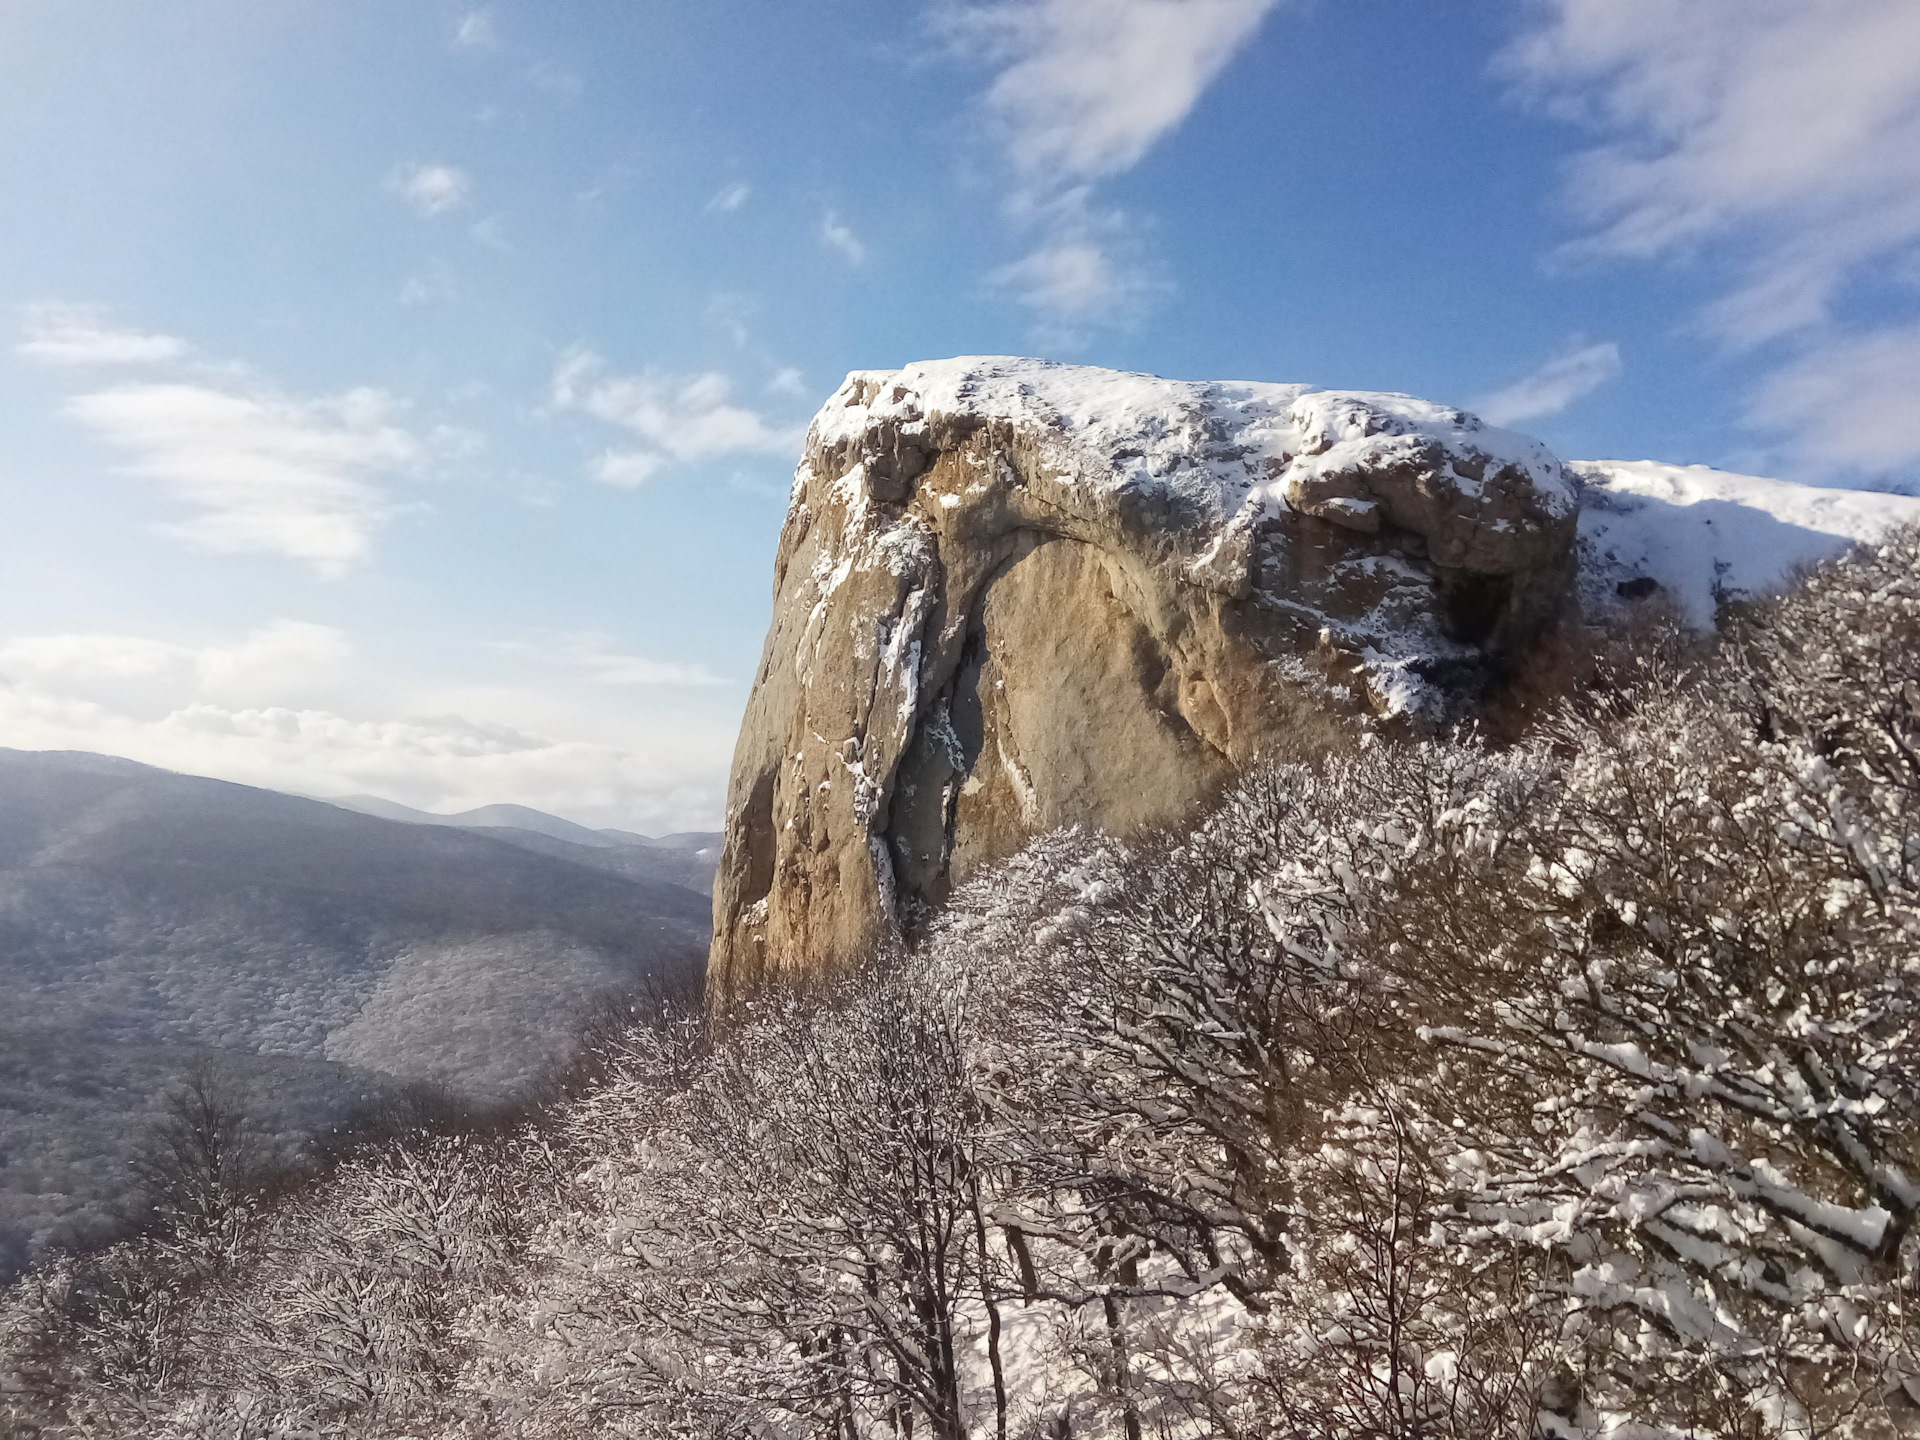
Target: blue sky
x=401 y=397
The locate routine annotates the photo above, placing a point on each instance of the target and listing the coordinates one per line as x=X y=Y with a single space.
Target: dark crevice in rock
x=753 y=839
x=1474 y=606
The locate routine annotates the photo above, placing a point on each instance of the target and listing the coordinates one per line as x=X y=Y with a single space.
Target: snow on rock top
x=1233 y=450
x=1701 y=535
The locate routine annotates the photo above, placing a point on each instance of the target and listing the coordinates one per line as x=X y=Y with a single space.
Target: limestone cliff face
x=1011 y=596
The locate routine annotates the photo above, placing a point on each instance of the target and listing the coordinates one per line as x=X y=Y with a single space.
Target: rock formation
x=1012 y=595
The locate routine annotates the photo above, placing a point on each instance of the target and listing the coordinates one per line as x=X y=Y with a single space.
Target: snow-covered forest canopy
x=1562 y=1085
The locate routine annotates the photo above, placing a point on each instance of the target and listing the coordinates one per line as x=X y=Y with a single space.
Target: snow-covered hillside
x=1702 y=534
x=148 y=917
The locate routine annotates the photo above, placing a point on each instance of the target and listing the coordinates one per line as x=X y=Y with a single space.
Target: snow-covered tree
x=1434 y=1089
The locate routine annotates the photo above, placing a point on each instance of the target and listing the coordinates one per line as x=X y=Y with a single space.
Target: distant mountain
x=688 y=858
x=148 y=917
x=490 y=817
x=681 y=840
x=691 y=868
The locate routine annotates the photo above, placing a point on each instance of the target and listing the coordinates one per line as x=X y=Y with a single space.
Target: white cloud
x=1085 y=87
x=555 y=80
x=838 y=237
x=476 y=31
x=734 y=314
x=676 y=417
x=787 y=381
x=442 y=763
x=81 y=335
x=596 y=659
x=1567 y=377
x=267 y=473
x=1848 y=403
x=1776 y=139
x=731 y=198
x=1082 y=90
x=278 y=658
x=430 y=189
x=433 y=286
x=1073 y=279
x=282 y=658
x=627 y=469
x=285 y=706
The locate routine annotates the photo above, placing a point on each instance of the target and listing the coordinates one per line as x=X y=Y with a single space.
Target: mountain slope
x=519 y=817
x=675 y=865
x=146 y=917
x=1702 y=534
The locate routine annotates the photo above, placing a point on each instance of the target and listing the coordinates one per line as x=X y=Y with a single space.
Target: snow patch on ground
x=1704 y=534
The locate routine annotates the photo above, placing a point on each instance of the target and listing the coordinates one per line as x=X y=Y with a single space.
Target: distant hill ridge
x=688 y=858
x=519 y=817
x=147 y=917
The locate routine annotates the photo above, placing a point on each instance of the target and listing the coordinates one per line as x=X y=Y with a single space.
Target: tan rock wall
x=978 y=635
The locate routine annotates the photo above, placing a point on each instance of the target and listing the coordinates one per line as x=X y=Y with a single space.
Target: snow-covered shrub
x=94 y=1346
x=784 y=1229
x=1676 y=1028
x=1189 y=1065
x=1610 y=1034
x=351 y=1311
x=1433 y=1089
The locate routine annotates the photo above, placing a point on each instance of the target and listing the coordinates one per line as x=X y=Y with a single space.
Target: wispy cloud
x=1080 y=274
x=838 y=237
x=1776 y=140
x=730 y=199
x=261 y=472
x=476 y=31
x=430 y=189
x=432 y=286
x=265 y=473
x=1847 y=403
x=1082 y=90
x=81 y=335
x=734 y=314
x=597 y=659
x=677 y=418
x=273 y=661
x=555 y=80
x=1572 y=375
x=1086 y=87
x=787 y=380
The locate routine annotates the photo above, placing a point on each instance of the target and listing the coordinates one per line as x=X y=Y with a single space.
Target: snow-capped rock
x=1012 y=595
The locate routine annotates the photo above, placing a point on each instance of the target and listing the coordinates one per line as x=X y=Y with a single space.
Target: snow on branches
x=1433 y=1089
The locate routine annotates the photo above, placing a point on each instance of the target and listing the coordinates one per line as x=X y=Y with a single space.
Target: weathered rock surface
x=1012 y=595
